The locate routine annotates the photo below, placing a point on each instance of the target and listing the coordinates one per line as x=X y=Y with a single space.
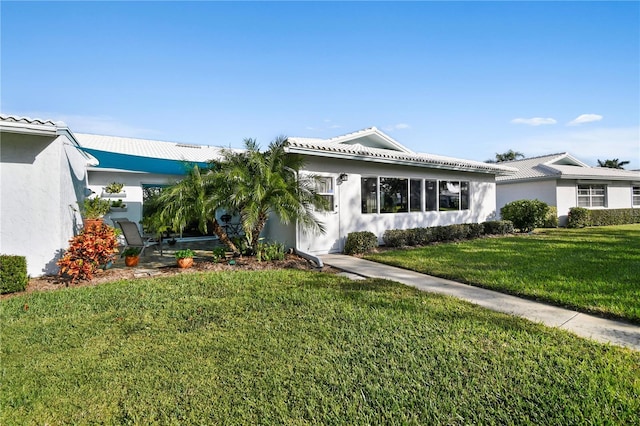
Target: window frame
x=464 y=190
x=328 y=195
x=635 y=195
x=591 y=187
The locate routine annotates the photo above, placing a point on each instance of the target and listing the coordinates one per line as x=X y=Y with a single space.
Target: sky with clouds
x=463 y=79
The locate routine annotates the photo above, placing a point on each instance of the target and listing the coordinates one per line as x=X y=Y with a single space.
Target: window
x=415 y=195
x=324 y=186
x=431 y=190
x=369 y=195
x=592 y=196
x=453 y=195
x=394 y=194
x=635 y=201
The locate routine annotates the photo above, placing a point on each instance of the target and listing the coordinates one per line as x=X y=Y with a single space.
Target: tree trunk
x=257 y=230
x=224 y=238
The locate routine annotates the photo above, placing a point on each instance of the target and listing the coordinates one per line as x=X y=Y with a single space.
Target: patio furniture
x=132 y=236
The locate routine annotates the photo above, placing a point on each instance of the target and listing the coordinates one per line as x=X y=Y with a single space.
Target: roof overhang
x=114 y=161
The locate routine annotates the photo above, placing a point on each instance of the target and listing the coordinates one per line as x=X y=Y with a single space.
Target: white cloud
x=399 y=126
x=584 y=118
x=535 y=121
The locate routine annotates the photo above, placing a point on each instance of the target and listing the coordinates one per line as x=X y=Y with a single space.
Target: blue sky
x=464 y=79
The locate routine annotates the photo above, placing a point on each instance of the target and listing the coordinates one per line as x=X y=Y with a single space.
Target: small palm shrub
x=526 y=215
x=88 y=251
x=360 y=242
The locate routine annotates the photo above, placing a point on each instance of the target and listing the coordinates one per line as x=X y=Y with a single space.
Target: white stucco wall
x=349 y=218
x=543 y=190
x=41 y=178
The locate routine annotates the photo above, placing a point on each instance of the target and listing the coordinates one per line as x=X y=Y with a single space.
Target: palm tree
x=257 y=184
x=507 y=156
x=613 y=164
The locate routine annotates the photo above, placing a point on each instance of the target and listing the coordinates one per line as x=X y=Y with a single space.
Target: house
x=563 y=181
x=43 y=174
x=374 y=184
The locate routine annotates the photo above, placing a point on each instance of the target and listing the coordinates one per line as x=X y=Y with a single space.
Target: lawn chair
x=132 y=236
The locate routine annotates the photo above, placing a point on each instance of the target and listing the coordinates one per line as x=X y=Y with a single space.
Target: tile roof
x=331 y=148
x=27 y=120
x=149 y=148
x=561 y=166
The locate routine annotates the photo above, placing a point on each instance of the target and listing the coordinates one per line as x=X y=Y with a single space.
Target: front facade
x=375 y=184
x=563 y=181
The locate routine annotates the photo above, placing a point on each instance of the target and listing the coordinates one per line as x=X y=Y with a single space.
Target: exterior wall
x=543 y=190
x=567 y=194
x=41 y=180
x=348 y=217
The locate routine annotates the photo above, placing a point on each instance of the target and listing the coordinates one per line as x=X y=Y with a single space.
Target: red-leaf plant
x=95 y=246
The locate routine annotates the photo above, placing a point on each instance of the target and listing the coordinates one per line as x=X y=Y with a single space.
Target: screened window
x=324 y=186
x=636 y=196
x=369 y=194
x=453 y=195
x=592 y=195
x=394 y=195
x=415 y=195
x=431 y=192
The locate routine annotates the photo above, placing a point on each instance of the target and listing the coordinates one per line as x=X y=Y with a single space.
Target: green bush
x=498 y=227
x=420 y=236
x=551 y=220
x=360 y=242
x=13 y=273
x=474 y=230
x=613 y=217
x=526 y=215
x=270 y=251
x=396 y=237
x=578 y=217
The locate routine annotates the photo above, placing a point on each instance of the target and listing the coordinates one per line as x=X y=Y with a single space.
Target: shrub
x=551 y=219
x=270 y=251
x=498 y=227
x=184 y=253
x=613 y=217
x=360 y=242
x=219 y=253
x=420 y=236
x=526 y=215
x=396 y=237
x=13 y=273
x=94 y=247
x=578 y=217
x=474 y=230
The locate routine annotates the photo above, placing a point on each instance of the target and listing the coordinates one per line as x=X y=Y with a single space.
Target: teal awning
x=136 y=163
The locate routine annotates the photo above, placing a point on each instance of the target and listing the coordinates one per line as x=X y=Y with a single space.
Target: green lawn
x=294 y=347
x=592 y=270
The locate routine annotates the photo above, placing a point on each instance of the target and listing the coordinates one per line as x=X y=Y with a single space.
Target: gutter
x=310 y=257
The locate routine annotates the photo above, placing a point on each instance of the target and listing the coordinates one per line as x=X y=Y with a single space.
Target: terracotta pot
x=185 y=262
x=131 y=260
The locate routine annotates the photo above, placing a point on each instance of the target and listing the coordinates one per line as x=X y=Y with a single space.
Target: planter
x=117 y=209
x=185 y=262
x=106 y=194
x=131 y=260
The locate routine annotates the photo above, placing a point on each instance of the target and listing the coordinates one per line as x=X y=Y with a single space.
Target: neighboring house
x=563 y=181
x=373 y=183
x=43 y=175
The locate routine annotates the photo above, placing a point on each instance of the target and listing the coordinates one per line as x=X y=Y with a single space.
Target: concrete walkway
x=589 y=326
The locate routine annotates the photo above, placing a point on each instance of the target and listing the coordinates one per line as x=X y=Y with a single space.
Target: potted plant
x=114 y=188
x=131 y=256
x=92 y=209
x=184 y=258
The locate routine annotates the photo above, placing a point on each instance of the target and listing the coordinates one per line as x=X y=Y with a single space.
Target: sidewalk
x=584 y=325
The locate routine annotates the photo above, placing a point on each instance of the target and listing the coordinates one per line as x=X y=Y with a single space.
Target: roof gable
x=370 y=138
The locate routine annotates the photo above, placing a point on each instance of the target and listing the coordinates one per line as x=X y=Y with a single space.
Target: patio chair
x=132 y=236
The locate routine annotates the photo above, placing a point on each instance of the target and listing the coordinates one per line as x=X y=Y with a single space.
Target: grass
x=296 y=347
x=592 y=270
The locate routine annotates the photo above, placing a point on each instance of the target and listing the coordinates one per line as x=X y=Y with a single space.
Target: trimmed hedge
x=13 y=273
x=580 y=217
x=526 y=215
x=457 y=232
x=551 y=220
x=360 y=242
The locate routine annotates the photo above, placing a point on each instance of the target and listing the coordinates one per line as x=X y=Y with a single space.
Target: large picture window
x=415 y=195
x=453 y=195
x=394 y=194
x=369 y=194
x=431 y=191
x=592 y=195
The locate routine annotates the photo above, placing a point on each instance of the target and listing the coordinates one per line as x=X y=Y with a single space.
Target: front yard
x=594 y=270
x=296 y=347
